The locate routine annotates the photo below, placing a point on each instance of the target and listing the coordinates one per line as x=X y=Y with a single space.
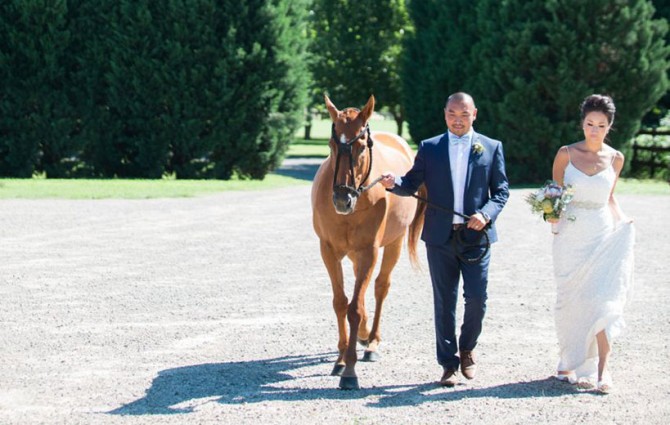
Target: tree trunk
x=399 y=120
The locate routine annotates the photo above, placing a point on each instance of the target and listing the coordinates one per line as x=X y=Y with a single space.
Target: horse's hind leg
x=382 y=285
x=340 y=302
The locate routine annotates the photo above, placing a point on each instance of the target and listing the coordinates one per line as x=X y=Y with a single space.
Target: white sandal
x=605 y=385
x=566 y=377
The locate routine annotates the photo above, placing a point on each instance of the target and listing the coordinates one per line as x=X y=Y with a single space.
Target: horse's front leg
x=363 y=328
x=365 y=263
x=333 y=263
x=390 y=258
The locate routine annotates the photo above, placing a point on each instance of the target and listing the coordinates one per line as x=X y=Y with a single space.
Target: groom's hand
x=388 y=180
x=477 y=222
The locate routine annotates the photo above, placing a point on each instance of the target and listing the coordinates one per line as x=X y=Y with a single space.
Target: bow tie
x=457 y=140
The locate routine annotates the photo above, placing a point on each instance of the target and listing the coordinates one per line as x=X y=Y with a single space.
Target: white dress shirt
x=459 y=155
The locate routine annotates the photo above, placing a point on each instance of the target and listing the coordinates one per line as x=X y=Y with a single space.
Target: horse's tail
x=416 y=227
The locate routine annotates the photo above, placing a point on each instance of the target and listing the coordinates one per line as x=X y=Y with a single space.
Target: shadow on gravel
x=181 y=390
x=548 y=387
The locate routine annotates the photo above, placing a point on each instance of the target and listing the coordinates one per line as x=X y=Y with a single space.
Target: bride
x=592 y=254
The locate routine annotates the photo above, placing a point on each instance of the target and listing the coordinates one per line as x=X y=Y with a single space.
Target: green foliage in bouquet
x=551 y=200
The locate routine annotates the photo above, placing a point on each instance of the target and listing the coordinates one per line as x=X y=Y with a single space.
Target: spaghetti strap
x=567 y=149
x=613 y=158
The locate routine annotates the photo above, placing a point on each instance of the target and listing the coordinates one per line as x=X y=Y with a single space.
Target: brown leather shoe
x=449 y=378
x=468 y=366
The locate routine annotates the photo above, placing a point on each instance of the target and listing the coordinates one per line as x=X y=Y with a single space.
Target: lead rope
x=459 y=239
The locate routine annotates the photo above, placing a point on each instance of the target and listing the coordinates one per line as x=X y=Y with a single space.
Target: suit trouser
x=445 y=271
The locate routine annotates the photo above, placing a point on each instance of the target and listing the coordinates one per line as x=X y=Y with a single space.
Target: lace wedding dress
x=593 y=270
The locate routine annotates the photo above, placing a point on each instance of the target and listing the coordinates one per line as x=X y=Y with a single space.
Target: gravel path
x=217 y=309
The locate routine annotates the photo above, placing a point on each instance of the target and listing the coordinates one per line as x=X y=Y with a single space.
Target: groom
x=463 y=171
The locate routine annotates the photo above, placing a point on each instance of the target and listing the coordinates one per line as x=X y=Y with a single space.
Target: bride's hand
x=553 y=220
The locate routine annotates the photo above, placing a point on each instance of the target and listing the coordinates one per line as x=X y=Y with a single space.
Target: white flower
x=478 y=148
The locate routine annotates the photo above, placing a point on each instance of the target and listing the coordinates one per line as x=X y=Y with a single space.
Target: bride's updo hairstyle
x=598 y=103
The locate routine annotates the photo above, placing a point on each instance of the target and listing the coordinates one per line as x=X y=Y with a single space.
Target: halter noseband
x=345 y=148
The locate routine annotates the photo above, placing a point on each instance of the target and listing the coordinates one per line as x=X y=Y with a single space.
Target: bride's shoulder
x=617 y=158
x=616 y=155
x=564 y=151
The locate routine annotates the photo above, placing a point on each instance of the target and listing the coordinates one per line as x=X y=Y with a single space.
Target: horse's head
x=349 y=140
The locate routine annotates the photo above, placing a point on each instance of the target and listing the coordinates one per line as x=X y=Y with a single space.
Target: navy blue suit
x=486 y=191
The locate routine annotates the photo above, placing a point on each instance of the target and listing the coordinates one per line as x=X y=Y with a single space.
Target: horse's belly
x=399 y=217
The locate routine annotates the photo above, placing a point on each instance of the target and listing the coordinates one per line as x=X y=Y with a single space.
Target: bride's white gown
x=593 y=269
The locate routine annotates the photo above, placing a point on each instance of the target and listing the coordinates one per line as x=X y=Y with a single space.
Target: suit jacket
x=486 y=185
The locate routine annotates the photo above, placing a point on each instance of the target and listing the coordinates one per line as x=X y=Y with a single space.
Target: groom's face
x=459 y=115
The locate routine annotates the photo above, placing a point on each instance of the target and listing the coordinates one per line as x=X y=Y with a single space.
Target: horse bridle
x=345 y=148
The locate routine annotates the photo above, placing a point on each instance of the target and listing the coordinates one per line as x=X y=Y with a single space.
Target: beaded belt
x=587 y=205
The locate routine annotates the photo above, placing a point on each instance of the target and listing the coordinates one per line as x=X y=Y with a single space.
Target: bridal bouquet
x=551 y=200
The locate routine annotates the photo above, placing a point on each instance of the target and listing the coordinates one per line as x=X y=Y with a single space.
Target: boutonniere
x=477 y=148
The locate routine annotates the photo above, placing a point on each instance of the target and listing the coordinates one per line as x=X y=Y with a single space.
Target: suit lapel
x=445 y=148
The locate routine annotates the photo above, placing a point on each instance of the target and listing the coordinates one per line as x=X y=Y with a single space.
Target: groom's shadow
x=270 y=380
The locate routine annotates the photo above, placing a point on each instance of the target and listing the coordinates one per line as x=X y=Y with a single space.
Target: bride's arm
x=558 y=171
x=560 y=162
x=617 y=212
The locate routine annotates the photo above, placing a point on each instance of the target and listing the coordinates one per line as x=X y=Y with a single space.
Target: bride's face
x=595 y=126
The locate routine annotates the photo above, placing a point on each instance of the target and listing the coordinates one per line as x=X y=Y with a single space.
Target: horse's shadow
x=178 y=390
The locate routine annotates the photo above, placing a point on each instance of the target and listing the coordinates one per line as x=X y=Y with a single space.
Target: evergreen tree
x=35 y=117
x=262 y=75
x=199 y=88
x=653 y=117
x=437 y=61
x=538 y=61
x=357 y=53
x=135 y=90
x=96 y=124
x=191 y=48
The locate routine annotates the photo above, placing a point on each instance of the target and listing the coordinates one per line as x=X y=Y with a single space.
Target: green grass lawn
x=642 y=187
x=321 y=128
x=131 y=189
x=39 y=188
x=317 y=146
x=146 y=189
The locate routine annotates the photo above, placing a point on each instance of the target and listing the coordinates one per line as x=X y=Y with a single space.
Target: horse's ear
x=332 y=110
x=369 y=107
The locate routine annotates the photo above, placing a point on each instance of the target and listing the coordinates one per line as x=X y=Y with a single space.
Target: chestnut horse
x=355 y=217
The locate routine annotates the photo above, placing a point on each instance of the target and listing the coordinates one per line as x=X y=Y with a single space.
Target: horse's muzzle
x=344 y=199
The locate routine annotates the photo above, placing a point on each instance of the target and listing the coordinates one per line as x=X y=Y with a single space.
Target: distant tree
x=91 y=40
x=437 y=61
x=198 y=88
x=660 y=110
x=35 y=114
x=538 y=59
x=262 y=74
x=357 y=47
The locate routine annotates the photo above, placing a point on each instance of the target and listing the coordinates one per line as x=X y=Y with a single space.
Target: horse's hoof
x=370 y=356
x=337 y=370
x=363 y=342
x=349 y=383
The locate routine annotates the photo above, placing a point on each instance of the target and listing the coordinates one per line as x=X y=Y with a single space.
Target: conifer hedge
x=137 y=88
x=542 y=58
x=529 y=64
x=436 y=61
